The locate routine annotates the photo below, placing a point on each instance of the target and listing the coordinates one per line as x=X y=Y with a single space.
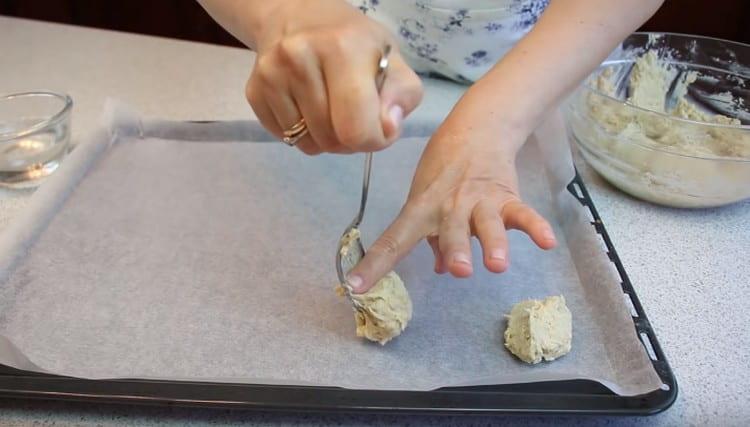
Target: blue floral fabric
x=458 y=39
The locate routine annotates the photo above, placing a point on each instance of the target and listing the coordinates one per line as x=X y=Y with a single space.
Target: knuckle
x=452 y=244
x=468 y=191
x=333 y=148
x=481 y=187
x=265 y=69
x=308 y=148
x=497 y=242
x=486 y=224
x=341 y=40
x=520 y=215
x=450 y=225
x=251 y=94
x=351 y=31
x=491 y=239
x=452 y=229
x=525 y=214
x=337 y=149
x=351 y=133
x=484 y=213
x=263 y=64
x=310 y=151
x=417 y=206
x=292 y=49
x=378 y=144
x=447 y=207
x=414 y=87
x=386 y=246
x=415 y=83
x=422 y=209
x=526 y=217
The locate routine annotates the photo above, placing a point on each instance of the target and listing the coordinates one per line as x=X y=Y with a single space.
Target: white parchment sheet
x=194 y=251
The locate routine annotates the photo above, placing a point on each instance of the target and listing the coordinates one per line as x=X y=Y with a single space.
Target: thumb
x=395 y=243
x=401 y=94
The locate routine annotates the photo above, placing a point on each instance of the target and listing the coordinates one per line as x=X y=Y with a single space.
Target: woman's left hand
x=465 y=185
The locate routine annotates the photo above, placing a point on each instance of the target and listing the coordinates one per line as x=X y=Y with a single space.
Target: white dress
x=457 y=39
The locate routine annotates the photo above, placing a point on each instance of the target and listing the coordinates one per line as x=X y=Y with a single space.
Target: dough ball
x=539 y=330
x=386 y=310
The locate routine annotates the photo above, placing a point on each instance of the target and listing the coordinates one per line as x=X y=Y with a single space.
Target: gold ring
x=295 y=133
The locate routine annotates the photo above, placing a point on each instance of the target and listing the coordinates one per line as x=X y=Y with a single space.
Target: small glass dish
x=662 y=157
x=34 y=136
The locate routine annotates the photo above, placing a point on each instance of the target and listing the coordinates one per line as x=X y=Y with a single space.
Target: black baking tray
x=554 y=397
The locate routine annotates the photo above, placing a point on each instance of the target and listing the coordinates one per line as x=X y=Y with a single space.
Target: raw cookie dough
x=649 y=85
x=386 y=309
x=655 y=156
x=539 y=329
x=348 y=240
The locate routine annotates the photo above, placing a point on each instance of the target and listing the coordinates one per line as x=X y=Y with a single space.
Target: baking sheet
x=171 y=250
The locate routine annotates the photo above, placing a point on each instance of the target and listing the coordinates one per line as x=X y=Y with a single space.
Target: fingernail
x=354 y=282
x=498 y=254
x=548 y=235
x=396 y=113
x=461 y=258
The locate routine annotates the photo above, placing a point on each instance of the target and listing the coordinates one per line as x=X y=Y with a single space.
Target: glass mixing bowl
x=656 y=156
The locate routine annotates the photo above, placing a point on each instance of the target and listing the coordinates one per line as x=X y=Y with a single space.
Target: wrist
x=276 y=18
x=245 y=20
x=267 y=23
x=487 y=119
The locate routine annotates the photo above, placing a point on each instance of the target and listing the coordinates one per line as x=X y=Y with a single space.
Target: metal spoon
x=350 y=249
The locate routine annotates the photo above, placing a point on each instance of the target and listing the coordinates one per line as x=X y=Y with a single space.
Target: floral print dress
x=457 y=39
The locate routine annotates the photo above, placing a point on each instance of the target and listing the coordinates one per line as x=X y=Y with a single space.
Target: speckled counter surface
x=690 y=268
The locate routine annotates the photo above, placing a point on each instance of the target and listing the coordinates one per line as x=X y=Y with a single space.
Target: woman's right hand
x=317 y=60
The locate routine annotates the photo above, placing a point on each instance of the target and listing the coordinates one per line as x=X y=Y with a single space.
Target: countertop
x=689 y=267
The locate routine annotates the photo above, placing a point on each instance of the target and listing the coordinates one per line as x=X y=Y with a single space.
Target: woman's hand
x=465 y=185
x=317 y=60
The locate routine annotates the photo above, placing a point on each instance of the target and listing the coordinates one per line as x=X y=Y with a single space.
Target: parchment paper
x=172 y=250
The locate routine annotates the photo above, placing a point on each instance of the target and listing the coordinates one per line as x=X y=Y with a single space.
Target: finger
x=401 y=94
x=519 y=216
x=439 y=265
x=490 y=230
x=307 y=146
x=285 y=110
x=308 y=89
x=255 y=98
x=354 y=100
x=270 y=83
x=454 y=243
x=395 y=242
x=312 y=148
